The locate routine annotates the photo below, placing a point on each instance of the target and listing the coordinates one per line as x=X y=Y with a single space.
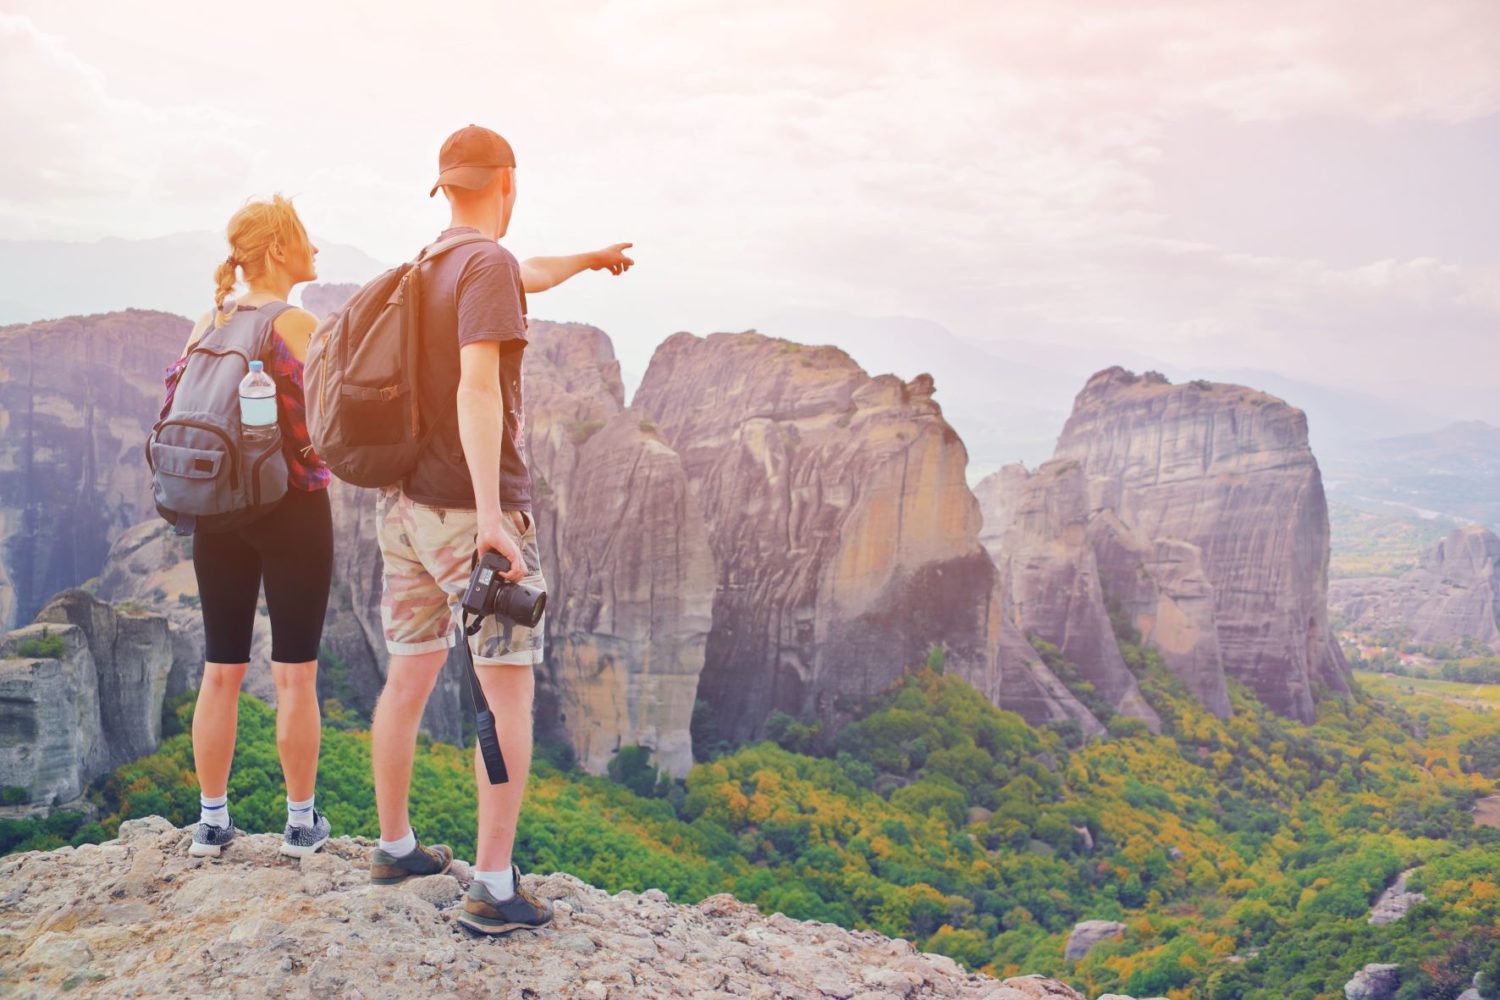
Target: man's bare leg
x=393 y=735
x=509 y=690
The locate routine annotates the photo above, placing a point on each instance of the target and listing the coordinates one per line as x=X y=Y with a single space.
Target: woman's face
x=301 y=262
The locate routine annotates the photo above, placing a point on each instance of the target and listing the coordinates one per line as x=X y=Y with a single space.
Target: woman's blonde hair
x=251 y=231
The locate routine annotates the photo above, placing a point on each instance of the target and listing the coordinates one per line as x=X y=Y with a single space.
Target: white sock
x=400 y=848
x=214 y=811
x=500 y=884
x=300 y=813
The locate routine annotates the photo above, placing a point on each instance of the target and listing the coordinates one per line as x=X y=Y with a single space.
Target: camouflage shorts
x=428 y=554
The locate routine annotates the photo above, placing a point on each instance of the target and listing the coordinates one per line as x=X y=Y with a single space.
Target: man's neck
x=485 y=226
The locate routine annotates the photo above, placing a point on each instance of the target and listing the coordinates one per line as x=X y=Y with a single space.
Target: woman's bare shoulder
x=296 y=326
x=198 y=329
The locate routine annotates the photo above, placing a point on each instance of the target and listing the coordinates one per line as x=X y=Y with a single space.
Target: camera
x=491 y=594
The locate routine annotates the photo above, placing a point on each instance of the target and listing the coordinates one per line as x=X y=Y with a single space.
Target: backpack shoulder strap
x=267 y=314
x=271 y=310
x=443 y=246
x=250 y=331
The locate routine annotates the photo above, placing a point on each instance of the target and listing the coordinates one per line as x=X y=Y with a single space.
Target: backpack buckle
x=389 y=392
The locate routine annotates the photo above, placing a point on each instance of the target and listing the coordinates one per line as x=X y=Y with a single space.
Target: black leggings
x=292 y=548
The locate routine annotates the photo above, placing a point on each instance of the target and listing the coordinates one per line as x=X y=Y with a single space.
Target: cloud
x=995 y=167
x=80 y=156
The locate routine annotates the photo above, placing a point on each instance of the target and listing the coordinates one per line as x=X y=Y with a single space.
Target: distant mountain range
x=1452 y=473
x=50 y=279
x=1007 y=399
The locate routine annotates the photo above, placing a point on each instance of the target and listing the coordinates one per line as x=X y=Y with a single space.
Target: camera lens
x=521 y=604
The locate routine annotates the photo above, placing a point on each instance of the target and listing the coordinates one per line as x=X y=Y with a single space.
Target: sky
x=1304 y=187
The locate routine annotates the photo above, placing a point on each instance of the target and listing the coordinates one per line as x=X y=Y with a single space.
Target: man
x=470 y=491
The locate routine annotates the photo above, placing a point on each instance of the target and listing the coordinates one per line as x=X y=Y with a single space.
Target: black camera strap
x=484 y=719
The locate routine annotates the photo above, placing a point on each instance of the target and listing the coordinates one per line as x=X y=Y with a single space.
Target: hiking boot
x=484 y=914
x=300 y=841
x=208 y=839
x=388 y=870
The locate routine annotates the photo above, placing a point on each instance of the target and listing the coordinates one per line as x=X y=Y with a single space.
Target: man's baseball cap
x=470 y=156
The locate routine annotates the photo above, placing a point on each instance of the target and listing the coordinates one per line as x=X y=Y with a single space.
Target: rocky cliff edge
x=137 y=917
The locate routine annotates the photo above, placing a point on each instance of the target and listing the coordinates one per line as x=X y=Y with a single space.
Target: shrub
x=584 y=429
x=632 y=767
x=48 y=647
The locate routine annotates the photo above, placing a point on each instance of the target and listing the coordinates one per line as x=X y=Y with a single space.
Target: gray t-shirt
x=470 y=294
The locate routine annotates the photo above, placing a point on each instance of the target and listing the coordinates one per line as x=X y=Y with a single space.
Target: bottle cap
x=256 y=366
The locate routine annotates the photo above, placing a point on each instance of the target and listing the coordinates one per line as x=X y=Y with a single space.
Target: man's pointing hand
x=612 y=257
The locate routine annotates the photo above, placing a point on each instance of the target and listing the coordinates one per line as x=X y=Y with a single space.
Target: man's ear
x=507 y=180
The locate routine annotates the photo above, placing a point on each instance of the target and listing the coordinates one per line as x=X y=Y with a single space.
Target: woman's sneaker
x=300 y=841
x=386 y=869
x=484 y=914
x=208 y=839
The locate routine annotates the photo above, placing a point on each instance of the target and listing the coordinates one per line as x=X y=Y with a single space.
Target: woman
x=290 y=548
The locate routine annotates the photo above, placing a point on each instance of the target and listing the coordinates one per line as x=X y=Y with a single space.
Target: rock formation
x=1451 y=597
x=321 y=299
x=626 y=553
x=51 y=743
x=137 y=917
x=1199 y=511
x=1050 y=579
x=768 y=527
x=77 y=397
x=150 y=566
x=845 y=537
x=132 y=656
x=81 y=692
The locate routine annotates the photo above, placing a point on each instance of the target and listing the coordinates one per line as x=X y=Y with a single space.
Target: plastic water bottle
x=257 y=405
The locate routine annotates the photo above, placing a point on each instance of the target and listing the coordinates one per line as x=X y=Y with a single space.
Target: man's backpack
x=204 y=475
x=361 y=376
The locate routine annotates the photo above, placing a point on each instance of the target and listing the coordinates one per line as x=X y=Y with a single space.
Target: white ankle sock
x=500 y=884
x=300 y=813
x=400 y=848
x=214 y=810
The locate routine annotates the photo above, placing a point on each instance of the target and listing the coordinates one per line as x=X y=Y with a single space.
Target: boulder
x=1394 y=901
x=1086 y=934
x=1374 y=982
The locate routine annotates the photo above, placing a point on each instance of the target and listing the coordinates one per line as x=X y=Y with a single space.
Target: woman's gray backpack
x=204 y=473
